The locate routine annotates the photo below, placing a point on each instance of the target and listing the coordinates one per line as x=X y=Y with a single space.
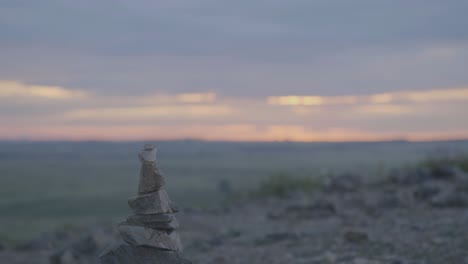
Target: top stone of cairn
x=148 y=154
x=151 y=179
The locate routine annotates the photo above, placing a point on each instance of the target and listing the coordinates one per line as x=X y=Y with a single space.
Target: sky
x=296 y=70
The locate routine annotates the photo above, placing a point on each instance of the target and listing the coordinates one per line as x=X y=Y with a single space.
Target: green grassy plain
x=50 y=185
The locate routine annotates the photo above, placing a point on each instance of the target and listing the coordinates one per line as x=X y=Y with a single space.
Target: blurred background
x=232 y=93
x=50 y=185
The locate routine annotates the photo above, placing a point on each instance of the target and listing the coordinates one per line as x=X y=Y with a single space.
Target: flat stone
x=143 y=236
x=152 y=203
x=122 y=253
x=158 y=221
x=151 y=179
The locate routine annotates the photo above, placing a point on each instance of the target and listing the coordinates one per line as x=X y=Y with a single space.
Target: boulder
x=143 y=236
x=152 y=203
x=122 y=253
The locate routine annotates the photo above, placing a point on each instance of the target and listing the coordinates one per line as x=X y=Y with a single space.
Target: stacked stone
x=149 y=235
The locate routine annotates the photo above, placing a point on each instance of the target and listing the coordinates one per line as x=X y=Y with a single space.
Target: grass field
x=48 y=185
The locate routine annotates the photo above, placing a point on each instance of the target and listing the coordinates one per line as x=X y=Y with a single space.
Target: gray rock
x=122 y=253
x=374 y=203
x=2 y=246
x=173 y=206
x=450 y=200
x=205 y=245
x=143 y=236
x=424 y=174
x=410 y=176
x=320 y=208
x=365 y=261
x=276 y=238
x=344 y=182
x=152 y=203
x=46 y=241
x=148 y=154
x=427 y=191
x=159 y=221
x=82 y=250
x=445 y=172
x=317 y=209
x=388 y=200
x=402 y=261
x=461 y=175
x=462 y=187
x=356 y=237
x=151 y=179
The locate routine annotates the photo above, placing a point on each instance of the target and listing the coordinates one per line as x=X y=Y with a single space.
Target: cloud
x=13 y=89
x=240 y=48
x=204 y=27
x=383 y=109
x=311 y=100
x=405 y=114
x=196 y=97
x=150 y=112
x=233 y=69
x=437 y=95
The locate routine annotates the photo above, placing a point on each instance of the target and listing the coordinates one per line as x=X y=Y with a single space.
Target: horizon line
x=399 y=140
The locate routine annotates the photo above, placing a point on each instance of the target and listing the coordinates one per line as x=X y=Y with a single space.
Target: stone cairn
x=150 y=235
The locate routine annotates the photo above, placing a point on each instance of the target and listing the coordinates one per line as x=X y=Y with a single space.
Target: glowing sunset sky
x=324 y=70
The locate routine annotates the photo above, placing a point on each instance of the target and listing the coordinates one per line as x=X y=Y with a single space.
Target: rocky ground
x=415 y=216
